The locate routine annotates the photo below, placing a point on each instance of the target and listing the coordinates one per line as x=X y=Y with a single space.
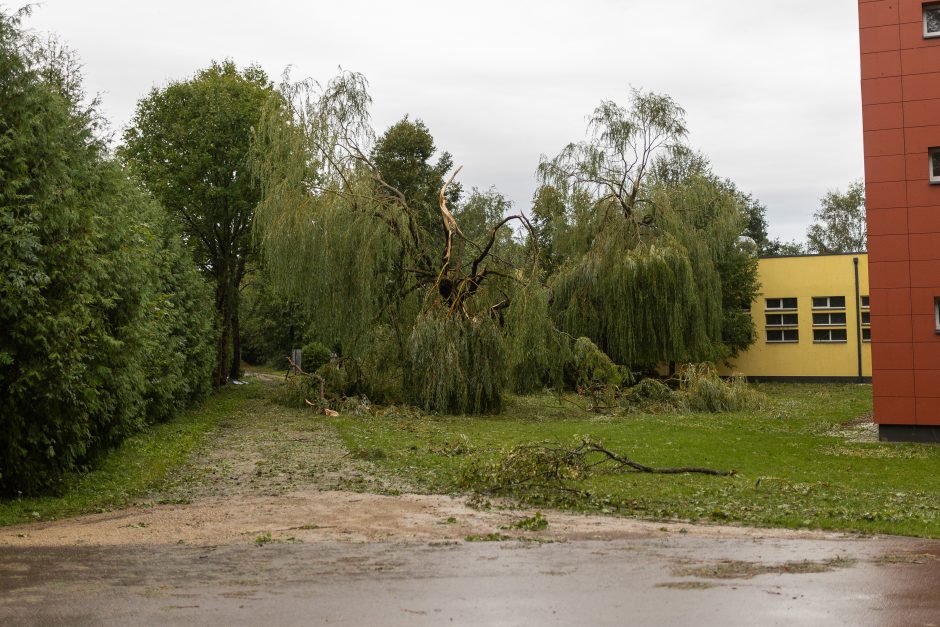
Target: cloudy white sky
x=771 y=88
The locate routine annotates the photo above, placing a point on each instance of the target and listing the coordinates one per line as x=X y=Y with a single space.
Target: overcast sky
x=771 y=89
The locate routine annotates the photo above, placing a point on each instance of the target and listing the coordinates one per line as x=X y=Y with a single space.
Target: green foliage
x=188 y=142
x=642 y=305
x=591 y=367
x=363 y=243
x=656 y=271
x=702 y=390
x=536 y=352
x=103 y=316
x=315 y=355
x=271 y=324
x=403 y=158
x=840 y=222
x=456 y=365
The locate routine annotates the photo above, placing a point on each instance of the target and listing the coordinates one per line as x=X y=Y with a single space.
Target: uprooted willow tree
x=437 y=302
x=412 y=306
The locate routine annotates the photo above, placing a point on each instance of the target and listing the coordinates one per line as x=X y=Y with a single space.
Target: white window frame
x=829 y=330
x=828 y=306
x=928 y=7
x=781 y=308
x=783 y=335
x=782 y=325
x=829 y=322
x=934 y=176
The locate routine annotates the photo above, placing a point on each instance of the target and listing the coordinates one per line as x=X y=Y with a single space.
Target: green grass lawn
x=797 y=464
x=140 y=464
x=798 y=461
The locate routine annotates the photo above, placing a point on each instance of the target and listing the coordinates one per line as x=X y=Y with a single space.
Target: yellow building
x=812 y=320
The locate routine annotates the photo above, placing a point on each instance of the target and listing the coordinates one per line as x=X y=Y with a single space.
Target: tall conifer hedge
x=105 y=324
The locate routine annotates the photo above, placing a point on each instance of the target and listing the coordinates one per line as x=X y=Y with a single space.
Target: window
x=932 y=20
x=781 y=303
x=934 y=165
x=866 y=319
x=829 y=336
x=828 y=302
x=787 y=336
x=782 y=327
x=936 y=313
x=782 y=320
x=829 y=327
x=829 y=319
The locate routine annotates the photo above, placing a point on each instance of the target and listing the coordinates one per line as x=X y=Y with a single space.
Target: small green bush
x=314 y=355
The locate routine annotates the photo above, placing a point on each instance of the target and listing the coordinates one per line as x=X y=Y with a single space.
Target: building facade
x=812 y=319
x=900 y=63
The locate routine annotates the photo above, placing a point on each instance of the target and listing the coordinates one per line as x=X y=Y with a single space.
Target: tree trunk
x=224 y=313
x=236 y=369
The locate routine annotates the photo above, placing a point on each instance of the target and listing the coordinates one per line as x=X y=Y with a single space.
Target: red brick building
x=900 y=53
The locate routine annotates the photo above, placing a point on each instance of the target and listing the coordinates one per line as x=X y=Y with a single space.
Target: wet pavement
x=670 y=578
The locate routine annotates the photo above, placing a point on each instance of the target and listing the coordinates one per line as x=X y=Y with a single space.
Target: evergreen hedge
x=105 y=324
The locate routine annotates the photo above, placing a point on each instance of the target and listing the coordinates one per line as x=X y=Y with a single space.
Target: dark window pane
x=789 y=303
x=791 y=335
x=774 y=336
x=866 y=317
x=865 y=302
x=932 y=19
x=866 y=335
x=838 y=335
x=791 y=319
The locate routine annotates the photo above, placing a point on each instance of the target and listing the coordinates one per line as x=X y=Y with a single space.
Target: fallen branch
x=552 y=467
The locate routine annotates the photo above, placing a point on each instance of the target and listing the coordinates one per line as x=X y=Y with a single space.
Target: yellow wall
x=803 y=278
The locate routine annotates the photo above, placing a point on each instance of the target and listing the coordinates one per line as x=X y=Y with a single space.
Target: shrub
x=314 y=355
x=106 y=324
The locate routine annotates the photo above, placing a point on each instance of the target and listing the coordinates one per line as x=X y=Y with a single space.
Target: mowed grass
x=139 y=465
x=797 y=460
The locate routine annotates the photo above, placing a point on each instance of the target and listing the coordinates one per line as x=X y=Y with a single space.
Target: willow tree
x=401 y=295
x=646 y=286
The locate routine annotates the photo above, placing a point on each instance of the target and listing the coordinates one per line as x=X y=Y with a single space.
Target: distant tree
x=840 y=222
x=188 y=142
x=402 y=156
x=778 y=247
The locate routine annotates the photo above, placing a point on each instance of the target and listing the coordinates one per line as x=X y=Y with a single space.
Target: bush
x=314 y=355
x=703 y=390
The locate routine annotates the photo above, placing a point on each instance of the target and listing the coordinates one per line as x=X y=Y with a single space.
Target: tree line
x=237 y=220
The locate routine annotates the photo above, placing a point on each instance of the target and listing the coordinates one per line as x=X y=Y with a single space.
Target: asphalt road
x=674 y=579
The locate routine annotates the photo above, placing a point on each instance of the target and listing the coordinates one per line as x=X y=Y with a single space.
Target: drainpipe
x=858 y=321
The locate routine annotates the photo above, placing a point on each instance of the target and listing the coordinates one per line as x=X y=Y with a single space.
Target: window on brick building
x=935 y=165
x=932 y=20
x=865 y=310
x=936 y=313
